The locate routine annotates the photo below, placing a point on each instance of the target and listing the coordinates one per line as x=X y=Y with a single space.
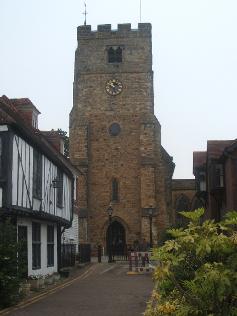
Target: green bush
x=197 y=274
x=10 y=266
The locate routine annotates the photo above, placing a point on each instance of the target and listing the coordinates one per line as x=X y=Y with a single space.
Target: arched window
x=197 y=203
x=115 y=196
x=111 y=55
x=182 y=204
x=115 y=55
x=118 y=55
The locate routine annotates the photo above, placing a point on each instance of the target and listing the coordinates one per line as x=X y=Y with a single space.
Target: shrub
x=10 y=266
x=197 y=274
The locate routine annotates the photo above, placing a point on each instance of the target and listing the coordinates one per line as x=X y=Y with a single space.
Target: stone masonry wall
x=133 y=157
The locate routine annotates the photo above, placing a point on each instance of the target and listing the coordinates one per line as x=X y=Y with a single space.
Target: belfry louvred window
x=115 y=55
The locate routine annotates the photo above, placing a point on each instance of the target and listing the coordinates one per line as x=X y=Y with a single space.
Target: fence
x=68 y=255
x=139 y=262
x=84 y=251
x=119 y=254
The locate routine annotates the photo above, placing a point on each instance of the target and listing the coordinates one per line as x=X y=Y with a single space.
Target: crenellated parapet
x=105 y=30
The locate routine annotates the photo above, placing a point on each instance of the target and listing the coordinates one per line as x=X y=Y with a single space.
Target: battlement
x=123 y=30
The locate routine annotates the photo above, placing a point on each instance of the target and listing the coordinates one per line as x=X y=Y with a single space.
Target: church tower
x=115 y=138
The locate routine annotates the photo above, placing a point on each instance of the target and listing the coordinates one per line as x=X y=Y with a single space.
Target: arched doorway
x=116 y=238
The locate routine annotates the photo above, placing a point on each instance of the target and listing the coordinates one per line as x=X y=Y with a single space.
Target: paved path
x=101 y=290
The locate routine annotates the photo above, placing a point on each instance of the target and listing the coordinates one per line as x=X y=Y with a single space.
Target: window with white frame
x=50 y=245
x=219 y=176
x=59 y=188
x=36 y=245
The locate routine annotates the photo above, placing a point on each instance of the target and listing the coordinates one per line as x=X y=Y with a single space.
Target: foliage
x=11 y=267
x=66 y=141
x=197 y=271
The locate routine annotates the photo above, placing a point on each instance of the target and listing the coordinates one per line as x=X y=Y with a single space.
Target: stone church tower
x=115 y=138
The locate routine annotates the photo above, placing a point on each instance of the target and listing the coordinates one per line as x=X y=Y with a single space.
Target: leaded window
x=59 y=188
x=37 y=175
x=36 y=246
x=219 y=176
x=50 y=245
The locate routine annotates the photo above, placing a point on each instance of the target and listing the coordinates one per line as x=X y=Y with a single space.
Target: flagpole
x=140 y=11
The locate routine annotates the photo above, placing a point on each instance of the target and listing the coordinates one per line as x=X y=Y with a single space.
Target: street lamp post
x=110 y=212
x=150 y=213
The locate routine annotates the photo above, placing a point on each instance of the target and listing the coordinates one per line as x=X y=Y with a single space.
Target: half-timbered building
x=36 y=185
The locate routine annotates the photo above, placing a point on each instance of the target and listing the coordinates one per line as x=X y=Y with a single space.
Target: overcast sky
x=194 y=62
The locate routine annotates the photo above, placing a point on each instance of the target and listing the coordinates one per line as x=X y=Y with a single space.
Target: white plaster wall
x=22 y=193
x=71 y=234
x=44 y=269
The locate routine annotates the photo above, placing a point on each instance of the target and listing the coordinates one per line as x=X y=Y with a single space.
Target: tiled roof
x=21 y=101
x=11 y=116
x=52 y=133
x=24 y=102
x=8 y=112
x=215 y=148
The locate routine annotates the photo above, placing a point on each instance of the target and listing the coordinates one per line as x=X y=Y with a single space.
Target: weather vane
x=85 y=13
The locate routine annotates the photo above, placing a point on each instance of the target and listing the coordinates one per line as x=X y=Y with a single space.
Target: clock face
x=113 y=87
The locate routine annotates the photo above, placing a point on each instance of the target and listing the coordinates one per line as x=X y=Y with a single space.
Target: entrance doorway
x=116 y=238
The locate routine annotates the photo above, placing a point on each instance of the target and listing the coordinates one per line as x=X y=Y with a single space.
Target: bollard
x=130 y=261
x=99 y=253
x=139 y=258
x=147 y=258
x=136 y=263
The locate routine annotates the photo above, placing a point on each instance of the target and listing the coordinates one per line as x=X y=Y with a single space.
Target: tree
x=11 y=267
x=66 y=141
x=197 y=270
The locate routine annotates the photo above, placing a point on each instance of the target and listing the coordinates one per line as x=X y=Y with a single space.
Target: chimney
x=55 y=139
x=28 y=110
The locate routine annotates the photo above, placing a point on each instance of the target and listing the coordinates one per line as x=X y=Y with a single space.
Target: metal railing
x=68 y=255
